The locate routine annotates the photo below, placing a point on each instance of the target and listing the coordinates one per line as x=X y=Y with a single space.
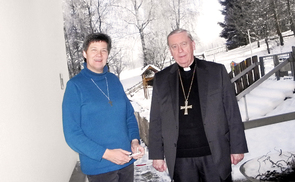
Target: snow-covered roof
x=149 y=65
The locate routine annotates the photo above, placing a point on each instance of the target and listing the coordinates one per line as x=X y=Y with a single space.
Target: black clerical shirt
x=192 y=140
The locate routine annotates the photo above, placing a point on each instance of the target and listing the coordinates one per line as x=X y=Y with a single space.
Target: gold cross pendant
x=186 y=107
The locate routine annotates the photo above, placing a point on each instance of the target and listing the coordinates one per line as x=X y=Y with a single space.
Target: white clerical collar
x=187 y=69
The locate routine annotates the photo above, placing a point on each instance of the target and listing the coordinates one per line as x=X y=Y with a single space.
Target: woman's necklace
x=107 y=96
x=186 y=106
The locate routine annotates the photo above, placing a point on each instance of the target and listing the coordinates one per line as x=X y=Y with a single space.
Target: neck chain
x=107 y=96
x=186 y=106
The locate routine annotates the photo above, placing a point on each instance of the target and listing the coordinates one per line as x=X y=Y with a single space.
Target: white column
x=32 y=58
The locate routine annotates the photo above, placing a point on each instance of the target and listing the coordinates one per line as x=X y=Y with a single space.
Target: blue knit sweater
x=91 y=125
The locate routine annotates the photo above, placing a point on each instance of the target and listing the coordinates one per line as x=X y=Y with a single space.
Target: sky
x=208 y=30
x=267 y=99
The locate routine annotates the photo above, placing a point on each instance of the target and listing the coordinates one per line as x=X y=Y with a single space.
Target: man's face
x=182 y=48
x=96 y=56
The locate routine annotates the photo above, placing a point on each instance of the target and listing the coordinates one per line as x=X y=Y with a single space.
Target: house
x=148 y=74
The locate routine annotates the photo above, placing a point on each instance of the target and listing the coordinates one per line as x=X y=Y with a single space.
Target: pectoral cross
x=186 y=107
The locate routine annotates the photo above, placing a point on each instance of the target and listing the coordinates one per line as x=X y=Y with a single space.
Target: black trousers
x=123 y=175
x=198 y=169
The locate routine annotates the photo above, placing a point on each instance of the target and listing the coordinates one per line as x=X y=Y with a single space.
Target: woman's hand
x=137 y=150
x=117 y=156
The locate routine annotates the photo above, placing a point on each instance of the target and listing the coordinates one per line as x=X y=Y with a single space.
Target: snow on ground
x=239 y=54
x=279 y=160
x=267 y=140
x=144 y=170
x=130 y=78
x=268 y=96
x=272 y=97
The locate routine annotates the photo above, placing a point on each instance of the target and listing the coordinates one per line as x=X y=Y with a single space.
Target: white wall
x=32 y=55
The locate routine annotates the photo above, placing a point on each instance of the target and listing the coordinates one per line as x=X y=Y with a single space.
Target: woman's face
x=96 y=56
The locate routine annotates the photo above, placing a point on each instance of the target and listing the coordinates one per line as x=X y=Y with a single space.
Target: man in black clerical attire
x=195 y=124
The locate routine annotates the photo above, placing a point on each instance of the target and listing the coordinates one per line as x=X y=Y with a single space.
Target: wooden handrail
x=249 y=68
x=269 y=120
x=262 y=79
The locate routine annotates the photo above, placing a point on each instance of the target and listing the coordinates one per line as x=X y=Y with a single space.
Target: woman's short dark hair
x=96 y=37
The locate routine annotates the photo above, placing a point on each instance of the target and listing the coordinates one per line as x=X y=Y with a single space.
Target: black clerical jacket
x=220 y=113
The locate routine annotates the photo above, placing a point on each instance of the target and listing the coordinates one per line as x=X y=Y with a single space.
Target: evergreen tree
x=262 y=19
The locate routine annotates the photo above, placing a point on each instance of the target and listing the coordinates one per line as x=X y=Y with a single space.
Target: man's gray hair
x=180 y=30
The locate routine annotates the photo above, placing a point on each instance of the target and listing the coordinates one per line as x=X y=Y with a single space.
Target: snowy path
x=145 y=172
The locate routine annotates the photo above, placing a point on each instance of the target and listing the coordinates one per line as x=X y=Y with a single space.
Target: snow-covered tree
x=263 y=19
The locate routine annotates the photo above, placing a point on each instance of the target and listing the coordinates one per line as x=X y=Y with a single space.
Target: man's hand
x=236 y=158
x=159 y=165
x=117 y=156
x=136 y=148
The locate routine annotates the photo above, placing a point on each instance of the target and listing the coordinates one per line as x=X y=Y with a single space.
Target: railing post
x=292 y=62
x=261 y=62
x=255 y=69
x=276 y=62
x=246 y=108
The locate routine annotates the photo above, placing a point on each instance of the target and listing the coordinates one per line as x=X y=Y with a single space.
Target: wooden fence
x=143 y=125
x=247 y=72
x=279 y=58
x=246 y=79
